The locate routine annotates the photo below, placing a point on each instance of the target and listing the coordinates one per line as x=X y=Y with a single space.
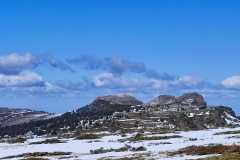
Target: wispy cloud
x=114 y=75
x=18 y=75
x=55 y=63
x=15 y=63
x=24 y=79
x=117 y=66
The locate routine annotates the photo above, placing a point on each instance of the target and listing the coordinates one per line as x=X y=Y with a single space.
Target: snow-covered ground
x=155 y=148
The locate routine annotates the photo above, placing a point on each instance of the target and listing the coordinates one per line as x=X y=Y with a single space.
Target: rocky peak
x=122 y=99
x=194 y=99
x=162 y=100
x=107 y=105
x=116 y=113
x=186 y=101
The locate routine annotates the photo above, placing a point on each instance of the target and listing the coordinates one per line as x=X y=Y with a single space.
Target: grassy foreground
x=226 y=156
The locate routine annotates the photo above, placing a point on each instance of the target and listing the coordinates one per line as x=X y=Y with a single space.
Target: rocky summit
x=123 y=113
x=107 y=105
x=186 y=101
x=187 y=112
x=122 y=99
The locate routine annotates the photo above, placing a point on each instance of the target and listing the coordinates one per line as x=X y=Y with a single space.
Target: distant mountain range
x=15 y=116
x=123 y=113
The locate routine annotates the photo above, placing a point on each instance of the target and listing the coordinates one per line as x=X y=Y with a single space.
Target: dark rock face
x=14 y=116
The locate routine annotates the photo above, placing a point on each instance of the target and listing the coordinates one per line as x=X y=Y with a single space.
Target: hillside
x=15 y=116
x=122 y=113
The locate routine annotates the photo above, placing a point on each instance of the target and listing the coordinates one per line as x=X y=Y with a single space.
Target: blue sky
x=59 y=56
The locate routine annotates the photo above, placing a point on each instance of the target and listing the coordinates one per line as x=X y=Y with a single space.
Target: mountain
x=124 y=113
x=186 y=101
x=101 y=107
x=162 y=100
x=187 y=112
x=107 y=105
x=15 y=116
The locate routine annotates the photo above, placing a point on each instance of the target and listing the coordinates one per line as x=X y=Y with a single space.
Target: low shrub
x=122 y=149
x=138 y=149
x=37 y=155
x=205 y=150
x=227 y=156
x=48 y=141
x=228 y=132
x=16 y=140
x=102 y=150
x=32 y=158
x=87 y=136
x=193 y=139
x=140 y=137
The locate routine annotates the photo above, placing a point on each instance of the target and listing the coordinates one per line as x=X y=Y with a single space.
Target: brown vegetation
x=205 y=150
x=37 y=155
x=87 y=136
x=48 y=141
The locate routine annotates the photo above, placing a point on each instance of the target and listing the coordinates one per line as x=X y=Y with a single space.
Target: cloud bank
x=15 y=63
x=117 y=66
x=18 y=74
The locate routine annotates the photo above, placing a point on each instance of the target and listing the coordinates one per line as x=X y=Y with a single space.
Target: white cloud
x=189 y=80
x=24 y=79
x=109 y=80
x=17 y=71
x=232 y=82
x=16 y=60
x=103 y=79
x=15 y=63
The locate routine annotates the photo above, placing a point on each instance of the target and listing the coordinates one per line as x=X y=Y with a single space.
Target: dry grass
x=136 y=156
x=122 y=149
x=205 y=150
x=37 y=155
x=102 y=150
x=32 y=158
x=14 y=140
x=48 y=141
x=228 y=132
x=226 y=156
x=87 y=136
x=140 y=137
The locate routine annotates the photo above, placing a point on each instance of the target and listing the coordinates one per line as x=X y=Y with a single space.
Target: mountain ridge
x=14 y=116
x=125 y=113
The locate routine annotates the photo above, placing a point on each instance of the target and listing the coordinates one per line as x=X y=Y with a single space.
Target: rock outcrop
x=123 y=113
x=187 y=112
x=162 y=100
x=107 y=105
x=184 y=102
